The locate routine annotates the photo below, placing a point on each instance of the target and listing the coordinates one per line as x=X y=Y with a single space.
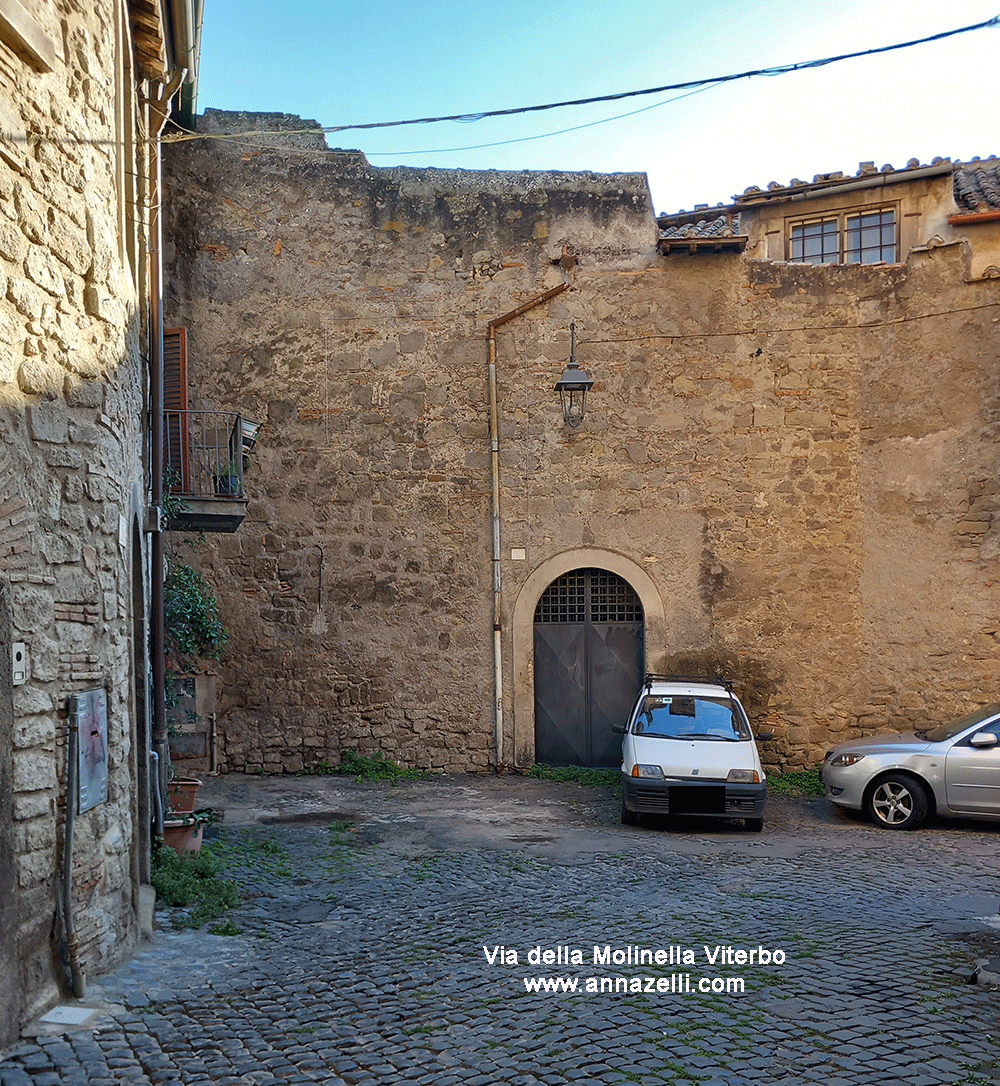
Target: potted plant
x=183 y=832
x=228 y=483
x=182 y=793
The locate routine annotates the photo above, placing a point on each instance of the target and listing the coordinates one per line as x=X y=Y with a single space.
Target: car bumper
x=845 y=787
x=709 y=799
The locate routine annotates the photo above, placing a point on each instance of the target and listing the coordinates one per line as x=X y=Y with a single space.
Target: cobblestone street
x=366 y=910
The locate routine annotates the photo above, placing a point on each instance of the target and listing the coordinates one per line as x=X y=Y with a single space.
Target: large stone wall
x=800 y=459
x=71 y=490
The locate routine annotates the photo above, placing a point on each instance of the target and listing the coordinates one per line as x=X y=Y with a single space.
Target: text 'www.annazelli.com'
x=636 y=957
x=677 y=983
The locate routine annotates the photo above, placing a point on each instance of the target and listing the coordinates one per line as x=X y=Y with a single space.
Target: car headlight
x=743 y=776
x=847 y=758
x=647 y=771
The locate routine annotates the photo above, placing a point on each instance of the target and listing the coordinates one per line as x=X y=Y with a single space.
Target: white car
x=952 y=770
x=688 y=750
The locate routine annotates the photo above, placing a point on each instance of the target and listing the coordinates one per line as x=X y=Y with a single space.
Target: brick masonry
x=802 y=459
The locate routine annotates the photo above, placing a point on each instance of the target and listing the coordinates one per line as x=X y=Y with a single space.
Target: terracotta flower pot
x=182 y=836
x=182 y=793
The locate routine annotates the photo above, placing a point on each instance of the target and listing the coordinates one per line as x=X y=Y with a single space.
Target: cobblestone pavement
x=361 y=954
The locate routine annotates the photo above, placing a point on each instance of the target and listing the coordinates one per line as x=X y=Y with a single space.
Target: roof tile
x=977 y=186
x=724 y=226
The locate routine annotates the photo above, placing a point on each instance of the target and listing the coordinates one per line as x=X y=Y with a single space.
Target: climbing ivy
x=190 y=615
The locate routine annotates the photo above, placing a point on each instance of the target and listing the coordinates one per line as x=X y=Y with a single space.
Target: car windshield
x=944 y=732
x=683 y=716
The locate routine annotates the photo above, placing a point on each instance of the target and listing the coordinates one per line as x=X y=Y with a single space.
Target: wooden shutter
x=176 y=450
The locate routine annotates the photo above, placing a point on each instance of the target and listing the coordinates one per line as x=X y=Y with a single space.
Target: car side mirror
x=619 y=729
x=983 y=739
x=765 y=737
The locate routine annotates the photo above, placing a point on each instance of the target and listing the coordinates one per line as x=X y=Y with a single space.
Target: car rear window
x=685 y=716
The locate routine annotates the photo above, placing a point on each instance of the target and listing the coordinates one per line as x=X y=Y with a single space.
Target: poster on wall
x=91 y=709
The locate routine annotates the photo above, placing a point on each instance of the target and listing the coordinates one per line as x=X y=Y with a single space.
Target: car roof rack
x=708 y=680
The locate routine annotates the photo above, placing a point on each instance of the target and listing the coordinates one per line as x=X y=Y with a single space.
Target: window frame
x=843 y=218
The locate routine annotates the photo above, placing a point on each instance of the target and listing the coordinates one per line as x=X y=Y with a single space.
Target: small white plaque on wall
x=518 y=554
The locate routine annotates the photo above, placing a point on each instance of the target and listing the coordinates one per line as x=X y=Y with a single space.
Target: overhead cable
x=778 y=69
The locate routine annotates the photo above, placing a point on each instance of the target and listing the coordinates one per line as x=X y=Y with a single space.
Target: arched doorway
x=140 y=718
x=10 y=918
x=588 y=651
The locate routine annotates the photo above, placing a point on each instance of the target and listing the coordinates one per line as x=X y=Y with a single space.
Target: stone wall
x=71 y=487
x=799 y=458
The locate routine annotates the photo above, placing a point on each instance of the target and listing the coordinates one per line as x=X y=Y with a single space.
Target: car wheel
x=897 y=802
x=629 y=818
x=754 y=825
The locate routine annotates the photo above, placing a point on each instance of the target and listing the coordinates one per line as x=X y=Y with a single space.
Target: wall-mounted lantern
x=573 y=386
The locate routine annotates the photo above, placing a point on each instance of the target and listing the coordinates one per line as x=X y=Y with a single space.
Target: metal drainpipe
x=154 y=774
x=186 y=18
x=159 y=111
x=213 y=747
x=491 y=341
x=69 y=928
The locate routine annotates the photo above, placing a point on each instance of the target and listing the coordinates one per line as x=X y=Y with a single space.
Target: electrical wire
x=541 y=135
x=778 y=69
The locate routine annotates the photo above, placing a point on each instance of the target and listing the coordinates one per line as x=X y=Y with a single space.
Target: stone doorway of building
x=588 y=655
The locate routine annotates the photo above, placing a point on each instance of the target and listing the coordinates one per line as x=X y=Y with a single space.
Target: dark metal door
x=588 y=667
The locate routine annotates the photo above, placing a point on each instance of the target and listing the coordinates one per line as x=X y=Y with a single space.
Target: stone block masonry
x=72 y=489
x=797 y=457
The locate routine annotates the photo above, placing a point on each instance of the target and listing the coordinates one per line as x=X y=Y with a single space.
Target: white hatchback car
x=688 y=750
x=952 y=770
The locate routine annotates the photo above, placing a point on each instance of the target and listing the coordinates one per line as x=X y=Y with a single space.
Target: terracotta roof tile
x=682 y=226
x=836 y=178
x=977 y=186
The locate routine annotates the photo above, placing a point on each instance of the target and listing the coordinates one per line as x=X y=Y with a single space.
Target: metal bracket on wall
x=155 y=521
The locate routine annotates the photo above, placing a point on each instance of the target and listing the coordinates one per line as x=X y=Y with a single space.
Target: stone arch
x=522 y=628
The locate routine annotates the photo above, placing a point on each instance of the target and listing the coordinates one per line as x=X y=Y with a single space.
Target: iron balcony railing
x=205 y=453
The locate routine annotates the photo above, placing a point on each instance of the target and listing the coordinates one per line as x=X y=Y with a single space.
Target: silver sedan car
x=952 y=770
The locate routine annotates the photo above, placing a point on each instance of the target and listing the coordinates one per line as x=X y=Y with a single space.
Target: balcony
x=205 y=455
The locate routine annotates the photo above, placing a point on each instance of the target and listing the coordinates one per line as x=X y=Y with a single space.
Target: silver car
x=952 y=770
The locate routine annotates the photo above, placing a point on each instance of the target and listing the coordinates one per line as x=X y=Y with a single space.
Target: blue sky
x=382 y=60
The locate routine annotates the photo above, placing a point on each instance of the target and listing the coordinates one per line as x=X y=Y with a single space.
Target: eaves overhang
x=167 y=37
x=149 y=36
x=735 y=244
x=808 y=190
